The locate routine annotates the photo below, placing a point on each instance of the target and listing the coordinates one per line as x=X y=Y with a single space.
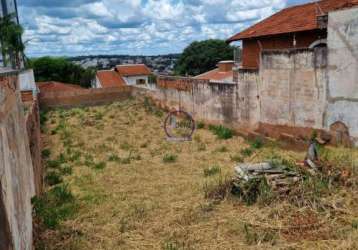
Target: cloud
x=78 y=27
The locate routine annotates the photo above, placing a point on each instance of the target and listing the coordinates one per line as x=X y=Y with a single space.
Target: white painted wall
x=342 y=91
x=97 y=83
x=132 y=80
x=27 y=81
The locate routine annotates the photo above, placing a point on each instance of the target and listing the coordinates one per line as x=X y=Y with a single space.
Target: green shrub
x=98 y=116
x=169 y=158
x=53 y=163
x=200 y=125
x=89 y=161
x=54 y=206
x=114 y=158
x=257 y=143
x=221 y=132
x=46 y=153
x=100 y=165
x=66 y=169
x=253 y=190
x=212 y=171
x=53 y=178
x=74 y=155
x=247 y=152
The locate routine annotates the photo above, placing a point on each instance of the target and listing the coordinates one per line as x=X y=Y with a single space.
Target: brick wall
x=208 y=101
x=83 y=97
x=26 y=96
x=179 y=83
x=252 y=47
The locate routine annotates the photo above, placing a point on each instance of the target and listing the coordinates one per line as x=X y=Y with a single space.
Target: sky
x=134 y=27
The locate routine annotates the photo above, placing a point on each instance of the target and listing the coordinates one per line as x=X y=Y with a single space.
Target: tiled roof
x=110 y=78
x=216 y=75
x=293 y=19
x=57 y=86
x=133 y=70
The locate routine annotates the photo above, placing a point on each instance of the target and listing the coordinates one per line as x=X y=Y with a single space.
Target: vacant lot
x=115 y=182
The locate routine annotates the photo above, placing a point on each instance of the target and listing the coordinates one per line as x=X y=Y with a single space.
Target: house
x=302 y=26
x=223 y=73
x=122 y=75
x=134 y=74
x=108 y=79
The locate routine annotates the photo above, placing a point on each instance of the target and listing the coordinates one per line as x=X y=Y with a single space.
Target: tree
x=61 y=70
x=200 y=57
x=12 y=47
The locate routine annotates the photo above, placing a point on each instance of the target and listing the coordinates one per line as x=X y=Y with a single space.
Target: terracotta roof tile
x=293 y=19
x=216 y=75
x=110 y=78
x=57 y=86
x=133 y=70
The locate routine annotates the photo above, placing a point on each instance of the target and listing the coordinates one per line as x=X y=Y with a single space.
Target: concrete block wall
x=342 y=91
x=292 y=88
x=208 y=101
x=248 y=97
x=16 y=170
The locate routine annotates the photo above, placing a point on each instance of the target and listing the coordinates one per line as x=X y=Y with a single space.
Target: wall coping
x=8 y=72
x=286 y=51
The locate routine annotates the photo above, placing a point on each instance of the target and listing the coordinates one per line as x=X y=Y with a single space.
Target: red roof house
x=133 y=70
x=223 y=73
x=294 y=27
x=109 y=79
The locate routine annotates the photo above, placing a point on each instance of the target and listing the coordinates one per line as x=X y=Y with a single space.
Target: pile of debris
x=279 y=178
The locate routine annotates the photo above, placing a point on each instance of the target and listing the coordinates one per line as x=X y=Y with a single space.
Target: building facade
x=288 y=29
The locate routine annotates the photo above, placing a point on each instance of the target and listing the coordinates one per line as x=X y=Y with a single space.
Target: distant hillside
x=162 y=64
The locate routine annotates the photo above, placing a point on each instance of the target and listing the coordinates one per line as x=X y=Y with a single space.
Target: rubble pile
x=279 y=178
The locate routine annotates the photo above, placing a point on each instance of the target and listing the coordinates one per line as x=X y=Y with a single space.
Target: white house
x=134 y=74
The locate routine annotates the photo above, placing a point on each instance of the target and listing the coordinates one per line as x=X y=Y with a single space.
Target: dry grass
x=130 y=198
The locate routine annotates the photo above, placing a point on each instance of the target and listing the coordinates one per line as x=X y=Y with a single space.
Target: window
x=140 y=81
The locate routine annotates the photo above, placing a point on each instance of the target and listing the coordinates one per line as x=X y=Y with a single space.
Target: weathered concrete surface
x=342 y=91
x=209 y=101
x=292 y=91
x=16 y=170
x=34 y=135
x=249 y=97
